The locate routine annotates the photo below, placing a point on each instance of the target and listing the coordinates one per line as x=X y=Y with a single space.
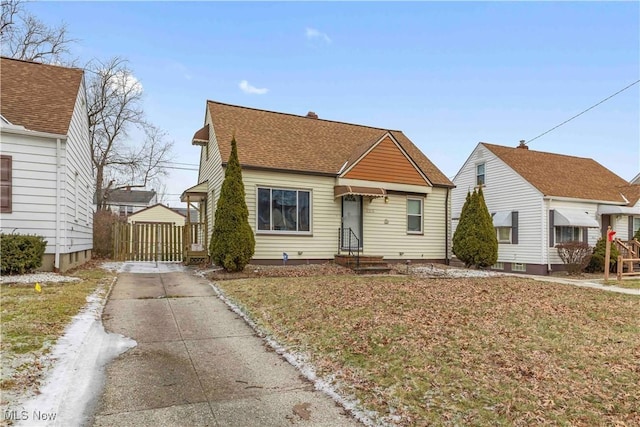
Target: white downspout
x=56 y=262
x=548 y=245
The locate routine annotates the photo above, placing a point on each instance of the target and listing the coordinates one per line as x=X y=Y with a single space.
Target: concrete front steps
x=367 y=265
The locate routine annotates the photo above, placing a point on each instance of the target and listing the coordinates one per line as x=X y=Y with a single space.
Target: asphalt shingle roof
x=39 y=97
x=561 y=175
x=283 y=141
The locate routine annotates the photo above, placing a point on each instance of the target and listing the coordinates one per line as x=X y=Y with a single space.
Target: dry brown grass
x=33 y=321
x=496 y=351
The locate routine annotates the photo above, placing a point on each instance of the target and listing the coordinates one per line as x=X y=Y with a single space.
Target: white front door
x=352 y=219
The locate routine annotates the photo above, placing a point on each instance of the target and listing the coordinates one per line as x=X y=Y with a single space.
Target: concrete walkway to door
x=197 y=363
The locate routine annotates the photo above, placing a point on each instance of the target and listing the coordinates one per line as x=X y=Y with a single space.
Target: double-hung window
x=480 y=177
x=568 y=234
x=284 y=210
x=414 y=216
x=504 y=234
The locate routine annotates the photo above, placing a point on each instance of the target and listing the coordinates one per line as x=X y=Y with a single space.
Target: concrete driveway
x=197 y=363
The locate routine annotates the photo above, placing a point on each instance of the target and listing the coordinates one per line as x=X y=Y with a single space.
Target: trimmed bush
x=575 y=255
x=475 y=242
x=21 y=254
x=232 y=242
x=596 y=263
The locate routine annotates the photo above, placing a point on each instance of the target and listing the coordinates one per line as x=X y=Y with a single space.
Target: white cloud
x=124 y=81
x=312 y=33
x=247 y=88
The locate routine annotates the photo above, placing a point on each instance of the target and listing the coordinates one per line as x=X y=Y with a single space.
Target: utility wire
x=579 y=114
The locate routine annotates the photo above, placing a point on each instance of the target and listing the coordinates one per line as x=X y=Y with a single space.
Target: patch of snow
x=433 y=271
x=38 y=278
x=141 y=267
x=75 y=381
x=300 y=362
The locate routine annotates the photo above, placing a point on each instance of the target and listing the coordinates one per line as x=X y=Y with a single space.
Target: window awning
x=197 y=193
x=344 y=190
x=574 y=218
x=502 y=219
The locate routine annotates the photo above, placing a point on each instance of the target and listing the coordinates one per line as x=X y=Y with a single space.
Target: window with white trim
x=480 y=177
x=636 y=226
x=414 y=216
x=504 y=234
x=566 y=234
x=284 y=210
x=498 y=265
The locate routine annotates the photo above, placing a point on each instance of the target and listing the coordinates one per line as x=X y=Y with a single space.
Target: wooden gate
x=147 y=241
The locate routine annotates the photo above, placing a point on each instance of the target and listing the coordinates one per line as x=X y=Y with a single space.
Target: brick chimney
x=523 y=145
x=312 y=115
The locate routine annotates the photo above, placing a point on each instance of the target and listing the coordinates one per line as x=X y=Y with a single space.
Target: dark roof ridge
x=26 y=61
x=303 y=117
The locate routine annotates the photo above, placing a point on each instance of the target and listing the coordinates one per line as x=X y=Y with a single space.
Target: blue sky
x=449 y=74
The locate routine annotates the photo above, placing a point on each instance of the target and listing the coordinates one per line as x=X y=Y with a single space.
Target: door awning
x=344 y=190
x=574 y=218
x=619 y=210
x=502 y=219
x=197 y=193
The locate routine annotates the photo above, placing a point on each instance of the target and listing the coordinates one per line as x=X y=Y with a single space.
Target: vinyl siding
x=505 y=190
x=620 y=224
x=593 y=233
x=79 y=182
x=325 y=216
x=34 y=187
x=157 y=214
x=211 y=170
x=385 y=227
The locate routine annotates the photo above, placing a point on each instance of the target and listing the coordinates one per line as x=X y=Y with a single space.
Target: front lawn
x=490 y=351
x=32 y=322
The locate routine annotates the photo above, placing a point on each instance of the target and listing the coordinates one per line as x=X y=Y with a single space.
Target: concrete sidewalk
x=198 y=364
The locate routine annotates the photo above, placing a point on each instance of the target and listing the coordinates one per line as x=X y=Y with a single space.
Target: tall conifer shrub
x=232 y=241
x=475 y=242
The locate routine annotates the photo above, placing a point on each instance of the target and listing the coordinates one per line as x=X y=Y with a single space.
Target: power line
x=581 y=113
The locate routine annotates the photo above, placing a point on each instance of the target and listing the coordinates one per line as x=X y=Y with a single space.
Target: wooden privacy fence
x=147 y=241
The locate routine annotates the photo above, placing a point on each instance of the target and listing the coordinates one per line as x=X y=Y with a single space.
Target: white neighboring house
x=540 y=199
x=47 y=177
x=635 y=180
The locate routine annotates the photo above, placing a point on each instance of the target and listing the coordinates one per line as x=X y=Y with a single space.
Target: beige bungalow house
x=316 y=188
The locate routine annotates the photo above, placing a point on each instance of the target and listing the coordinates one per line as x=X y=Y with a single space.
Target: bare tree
x=23 y=36
x=115 y=109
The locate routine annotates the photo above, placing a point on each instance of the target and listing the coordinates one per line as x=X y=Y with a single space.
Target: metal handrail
x=351 y=237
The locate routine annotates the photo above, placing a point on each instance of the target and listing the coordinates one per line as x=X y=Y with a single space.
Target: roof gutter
x=20 y=130
x=574 y=199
